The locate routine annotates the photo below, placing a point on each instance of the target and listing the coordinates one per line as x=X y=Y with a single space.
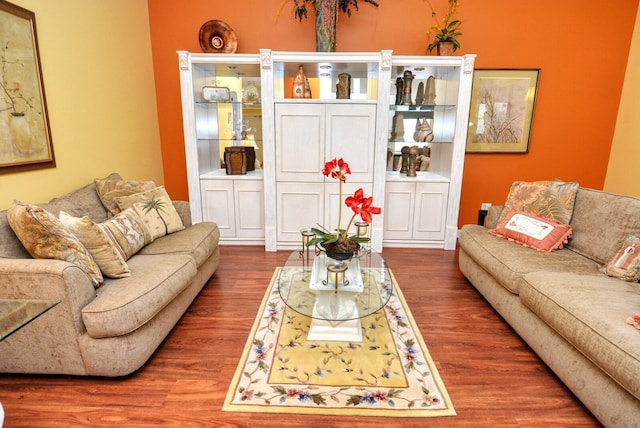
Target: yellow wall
x=98 y=77
x=623 y=174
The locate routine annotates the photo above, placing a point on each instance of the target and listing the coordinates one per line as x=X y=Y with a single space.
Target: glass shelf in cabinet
x=244 y=104
x=431 y=107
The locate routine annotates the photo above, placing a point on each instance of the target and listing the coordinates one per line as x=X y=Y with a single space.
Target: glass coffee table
x=16 y=313
x=335 y=299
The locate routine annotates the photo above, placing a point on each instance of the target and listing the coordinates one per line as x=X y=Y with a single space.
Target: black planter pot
x=340 y=255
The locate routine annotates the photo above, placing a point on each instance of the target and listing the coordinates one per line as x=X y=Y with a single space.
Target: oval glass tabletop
x=308 y=287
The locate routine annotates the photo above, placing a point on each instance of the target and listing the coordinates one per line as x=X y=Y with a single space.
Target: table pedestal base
x=341 y=331
x=335 y=317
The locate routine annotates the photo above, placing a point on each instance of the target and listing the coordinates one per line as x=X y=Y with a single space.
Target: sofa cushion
x=128 y=231
x=532 y=230
x=156 y=209
x=589 y=311
x=113 y=186
x=625 y=264
x=197 y=241
x=102 y=248
x=551 y=199
x=600 y=220
x=123 y=305
x=44 y=237
x=78 y=203
x=507 y=262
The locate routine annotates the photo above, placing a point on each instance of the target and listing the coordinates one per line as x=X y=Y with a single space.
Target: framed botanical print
x=502 y=105
x=25 y=136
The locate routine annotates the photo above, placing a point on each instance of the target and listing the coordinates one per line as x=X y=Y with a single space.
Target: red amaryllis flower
x=355 y=201
x=337 y=168
x=361 y=205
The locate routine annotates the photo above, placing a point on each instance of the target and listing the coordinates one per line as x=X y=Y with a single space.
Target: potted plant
x=326 y=18
x=446 y=33
x=337 y=243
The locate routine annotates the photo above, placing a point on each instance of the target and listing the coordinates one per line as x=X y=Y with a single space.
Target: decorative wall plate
x=217 y=37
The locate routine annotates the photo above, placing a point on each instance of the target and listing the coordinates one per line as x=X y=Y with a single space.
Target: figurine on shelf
x=399 y=88
x=397 y=128
x=405 y=160
x=430 y=92
x=411 y=167
x=423 y=131
x=343 y=87
x=420 y=94
x=406 y=91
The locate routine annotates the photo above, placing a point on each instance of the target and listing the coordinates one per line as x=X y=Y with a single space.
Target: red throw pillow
x=533 y=231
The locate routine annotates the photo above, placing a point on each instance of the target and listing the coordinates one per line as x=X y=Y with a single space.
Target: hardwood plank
x=492 y=376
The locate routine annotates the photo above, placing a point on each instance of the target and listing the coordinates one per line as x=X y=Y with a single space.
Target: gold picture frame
x=501 y=114
x=25 y=135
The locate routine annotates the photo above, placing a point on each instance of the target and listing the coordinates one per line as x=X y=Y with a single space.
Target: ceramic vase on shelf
x=301 y=87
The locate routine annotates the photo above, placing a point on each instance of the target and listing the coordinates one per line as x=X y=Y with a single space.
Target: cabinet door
x=218 y=205
x=249 y=204
x=399 y=209
x=300 y=135
x=351 y=133
x=300 y=206
x=430 y=211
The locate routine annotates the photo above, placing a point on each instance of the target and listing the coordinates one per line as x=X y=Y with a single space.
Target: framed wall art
x=502 y=105
x=25 y=136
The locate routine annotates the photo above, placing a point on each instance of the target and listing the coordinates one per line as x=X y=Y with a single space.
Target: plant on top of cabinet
x=326 y=18
x=446 y=33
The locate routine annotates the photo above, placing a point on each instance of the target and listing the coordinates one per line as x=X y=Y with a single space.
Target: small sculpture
x=420 y=94
x=423 y=132
x=343 y=87
x=399 y=87
x=405 y=160
x=430 y=92
x=397 y=128
x=406 y=88
x=411 y=168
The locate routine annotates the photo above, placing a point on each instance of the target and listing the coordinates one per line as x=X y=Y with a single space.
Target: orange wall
x=582 y=72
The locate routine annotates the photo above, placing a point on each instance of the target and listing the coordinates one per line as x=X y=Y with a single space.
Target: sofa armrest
x=492 y=216
x=48 y=279
x=184 y=211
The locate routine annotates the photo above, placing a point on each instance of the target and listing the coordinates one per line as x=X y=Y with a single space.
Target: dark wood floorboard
x=492 y=376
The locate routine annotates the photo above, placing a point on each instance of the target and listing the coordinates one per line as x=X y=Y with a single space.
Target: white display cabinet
x=294 y=137
x=440 y=94
x=222 y=107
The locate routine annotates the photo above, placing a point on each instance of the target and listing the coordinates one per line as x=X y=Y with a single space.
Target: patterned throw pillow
x=533 y=231
x=625 y=265
x=104 y=250
x=156 y=210
x=128 y=231
x=110 y=188
x=44 y=237
x=551 y=199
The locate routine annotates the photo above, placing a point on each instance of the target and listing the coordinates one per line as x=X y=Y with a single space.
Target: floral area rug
x=390 y=373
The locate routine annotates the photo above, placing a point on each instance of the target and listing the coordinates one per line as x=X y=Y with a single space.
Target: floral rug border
x=249 y=391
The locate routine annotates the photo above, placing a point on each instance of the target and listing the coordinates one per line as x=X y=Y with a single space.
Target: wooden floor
x=492 y=376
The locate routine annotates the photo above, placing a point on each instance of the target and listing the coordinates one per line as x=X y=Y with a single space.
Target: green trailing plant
x=446 y=29
x=299 y=10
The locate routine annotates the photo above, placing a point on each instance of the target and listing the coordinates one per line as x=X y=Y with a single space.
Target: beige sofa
x=570 y=313
x=114 y=329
